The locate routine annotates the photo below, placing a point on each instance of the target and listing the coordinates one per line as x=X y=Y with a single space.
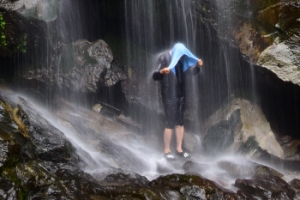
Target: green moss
x=10 y=174
x=22 y=44
x=3 y=40
x=22 y=193
x=6 y=42
x=11 y=162
x=202 y=19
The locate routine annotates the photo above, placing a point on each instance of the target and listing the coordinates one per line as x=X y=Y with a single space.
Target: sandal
x=169 y=156
x=183 y=154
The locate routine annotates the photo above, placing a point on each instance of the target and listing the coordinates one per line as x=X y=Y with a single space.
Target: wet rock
x=7 y=189
x=291 y=149
x=241 y=122
x=33 y=176
x=128 y=122
x=122 y=157
x=40 y=179
x=191 y=186
x=3 y=153
x=92 y=64
x=240 y=169
x=101 y=53
x=163 y=169
x=49 y=142
x=84 y=67
x=122 y=180
x=245 y=168
x=245 y=196
x=97 y=107
x=19 y=36
x=266 y=187
x=253 y=136
x=221 y=134
x=53 y=176
x=190 y=141
x=295 y=183
x=283 y=60
x=264 y=170
x=38 y=9
x=265 y=32
x=99 y=128
x=193 y=192
x=44 y=140
x=194 y=167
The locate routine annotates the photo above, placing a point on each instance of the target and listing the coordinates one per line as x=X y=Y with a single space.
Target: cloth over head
x=178 y=51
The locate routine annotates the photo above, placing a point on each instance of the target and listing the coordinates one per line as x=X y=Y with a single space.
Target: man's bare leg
x=179 y=137
x=167 y=139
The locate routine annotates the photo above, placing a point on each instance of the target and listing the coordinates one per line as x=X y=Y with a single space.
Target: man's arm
x=160 y=69
x=195 y=69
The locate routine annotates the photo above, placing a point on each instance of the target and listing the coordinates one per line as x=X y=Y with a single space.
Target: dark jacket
x=173 y=86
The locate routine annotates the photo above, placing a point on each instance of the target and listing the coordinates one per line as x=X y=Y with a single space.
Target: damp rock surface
x=50 y=164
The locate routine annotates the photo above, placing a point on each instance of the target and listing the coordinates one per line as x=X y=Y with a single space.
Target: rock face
x=266 y=32
x=266 y=187
x=282 y=59
x=84 y=67
x=34 y=9
x=46 y=164
x=235 y=125
x=91 y=64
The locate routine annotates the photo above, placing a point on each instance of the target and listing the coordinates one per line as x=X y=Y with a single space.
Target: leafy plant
x=3 y=41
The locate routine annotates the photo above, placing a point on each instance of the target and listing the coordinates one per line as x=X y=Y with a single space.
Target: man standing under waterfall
x=172 y=66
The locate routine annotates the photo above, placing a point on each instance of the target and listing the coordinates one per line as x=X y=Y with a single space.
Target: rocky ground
x=44 y=158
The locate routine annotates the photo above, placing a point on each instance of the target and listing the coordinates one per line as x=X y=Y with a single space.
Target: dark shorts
x=174 y=111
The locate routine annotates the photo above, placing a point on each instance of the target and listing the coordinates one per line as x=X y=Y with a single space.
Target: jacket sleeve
x=156 y=75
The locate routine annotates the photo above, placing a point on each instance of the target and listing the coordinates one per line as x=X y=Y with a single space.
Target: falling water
x=152 y=27
x=155 y=26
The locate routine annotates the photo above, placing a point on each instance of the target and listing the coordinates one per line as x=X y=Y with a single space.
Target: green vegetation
x=202 y=19
x=10 y=174
x=3 y=41
x=22 y=44
x=7 y=43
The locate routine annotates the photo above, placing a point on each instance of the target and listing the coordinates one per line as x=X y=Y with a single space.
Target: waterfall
x=147 y=28
x=151 y=28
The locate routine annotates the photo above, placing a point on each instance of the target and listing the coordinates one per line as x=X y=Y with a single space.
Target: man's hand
x=165 y=70
x=200 y=63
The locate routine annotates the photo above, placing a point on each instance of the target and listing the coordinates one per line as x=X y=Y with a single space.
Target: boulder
x=84 y=67
x=282 y=59
x=121 y=157
x=266 y=187
x=192 y=187
x=265 y=32
x=235 y=124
